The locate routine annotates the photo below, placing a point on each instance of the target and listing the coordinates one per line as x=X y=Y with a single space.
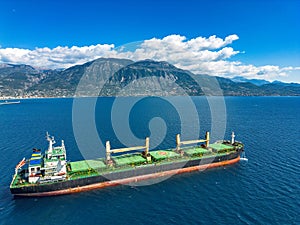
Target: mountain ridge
x=113 y=76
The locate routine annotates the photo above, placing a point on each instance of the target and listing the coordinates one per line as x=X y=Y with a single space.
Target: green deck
x=86 y=165
x=128 y=160
x=196 y=151
x=96 y=164
x=161 y=155
x=221 y=147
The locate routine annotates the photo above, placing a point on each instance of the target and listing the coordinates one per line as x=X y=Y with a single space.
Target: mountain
x=257 y=82
x=16 y=79
x=92 y=75
x=122 y=77
x=285 y=84
x=149 y=77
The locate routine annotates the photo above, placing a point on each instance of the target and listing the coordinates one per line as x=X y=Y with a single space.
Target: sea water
x=264 y=190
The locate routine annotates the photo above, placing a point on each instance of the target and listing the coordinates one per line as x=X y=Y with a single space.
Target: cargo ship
x=51 y=174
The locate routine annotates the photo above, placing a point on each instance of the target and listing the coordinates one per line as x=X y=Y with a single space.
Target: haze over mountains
x=111 y=77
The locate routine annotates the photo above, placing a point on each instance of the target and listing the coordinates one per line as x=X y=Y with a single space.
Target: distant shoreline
x=62 y=97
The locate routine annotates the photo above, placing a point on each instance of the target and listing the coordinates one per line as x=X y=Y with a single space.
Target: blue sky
x=268 y=30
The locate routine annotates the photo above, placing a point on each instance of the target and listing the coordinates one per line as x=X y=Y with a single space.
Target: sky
x=255 y=39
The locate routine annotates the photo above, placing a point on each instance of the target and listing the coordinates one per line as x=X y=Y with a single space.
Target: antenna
x=232 y=137
x=51 y=142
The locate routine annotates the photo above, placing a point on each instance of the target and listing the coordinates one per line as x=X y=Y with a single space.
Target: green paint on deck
x=128 y=160
x=86 y=165
x=196 y=151
x=220 y=147
x=79 y=166
x=96 y=164
x=160 y=155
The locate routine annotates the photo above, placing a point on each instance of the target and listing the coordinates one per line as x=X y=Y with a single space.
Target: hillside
x=110 y=77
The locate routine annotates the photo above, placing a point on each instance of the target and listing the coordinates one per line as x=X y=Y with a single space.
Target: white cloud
x=200 y=55
x=59 y=57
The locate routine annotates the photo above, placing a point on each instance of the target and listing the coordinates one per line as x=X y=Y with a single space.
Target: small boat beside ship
x=51 y=174
x=9 y=102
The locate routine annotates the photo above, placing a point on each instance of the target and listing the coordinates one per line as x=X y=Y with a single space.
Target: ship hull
x=124 y=177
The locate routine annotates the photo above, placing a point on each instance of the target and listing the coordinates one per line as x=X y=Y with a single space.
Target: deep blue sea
x=264 y=190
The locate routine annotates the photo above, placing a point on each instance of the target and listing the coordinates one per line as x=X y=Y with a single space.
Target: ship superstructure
x=46 y=168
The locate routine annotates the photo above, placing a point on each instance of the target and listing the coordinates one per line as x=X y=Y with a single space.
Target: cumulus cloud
x=200 y=55
x=59 y=57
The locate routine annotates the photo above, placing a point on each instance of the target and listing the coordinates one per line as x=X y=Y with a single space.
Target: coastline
x=6 y=98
